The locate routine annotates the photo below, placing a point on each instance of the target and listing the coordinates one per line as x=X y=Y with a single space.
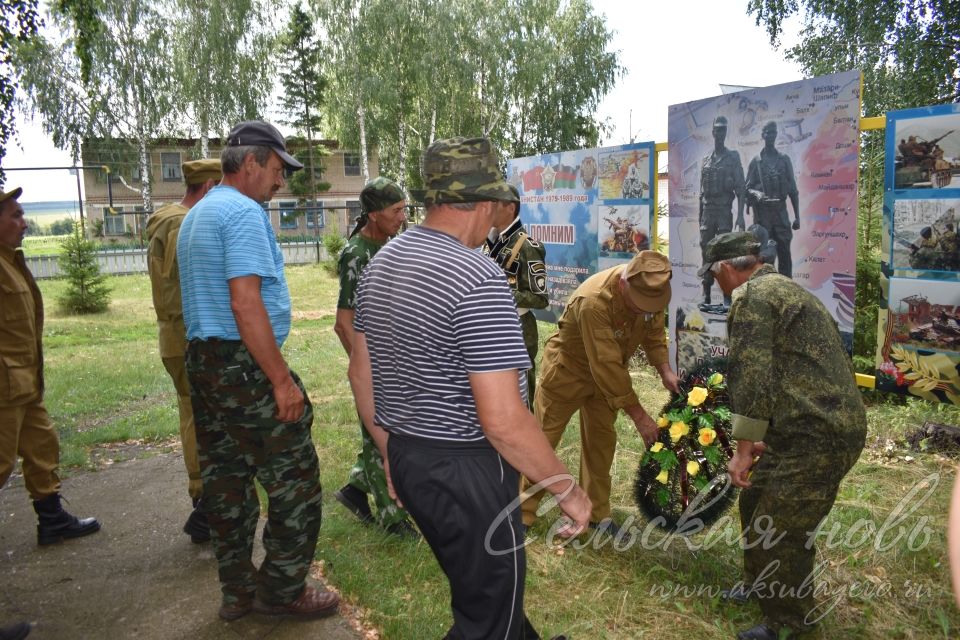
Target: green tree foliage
x=909 y=54
x=61 y=227
x=19 y=22
x=86 y=290
x=303 y=95
x=222 y=55
x=528 y=73
x=33 y=228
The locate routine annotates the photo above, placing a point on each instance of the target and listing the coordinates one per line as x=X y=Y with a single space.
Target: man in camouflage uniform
x=252 y=414
x=383 y=205
x=162 y=230
x=721 y=181
x=927 y=254
x=523 y=262
x=770 y=183
x=797 y=407
x=586 y=368
x=950 y=246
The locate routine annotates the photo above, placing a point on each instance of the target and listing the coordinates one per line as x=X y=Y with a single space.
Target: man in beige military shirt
x=25 y=429
x=586 y=367
x=162 y=231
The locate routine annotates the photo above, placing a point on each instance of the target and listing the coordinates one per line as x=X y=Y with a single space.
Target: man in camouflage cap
x=162 y=231
x=437 y=370
x=797 y=407
x=383 y=206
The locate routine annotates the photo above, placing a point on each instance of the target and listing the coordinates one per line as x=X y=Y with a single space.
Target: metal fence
x=127 y=261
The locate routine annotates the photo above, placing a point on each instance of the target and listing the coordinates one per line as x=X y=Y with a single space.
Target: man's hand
x=742 y=461
x=390 y=490
x=289 y=400
x=740 y=225
x=646 y=427
x=576 y=506
x=796 y=224
x=670 y=380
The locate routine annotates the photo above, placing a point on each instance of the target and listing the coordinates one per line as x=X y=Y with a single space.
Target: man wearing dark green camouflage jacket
x=796 y=406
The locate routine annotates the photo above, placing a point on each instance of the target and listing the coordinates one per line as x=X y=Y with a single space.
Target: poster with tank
x=781 y=161
x=917 y=351
x=590 y=209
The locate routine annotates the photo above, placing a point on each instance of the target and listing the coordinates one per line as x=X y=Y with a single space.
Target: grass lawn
x=884 y=560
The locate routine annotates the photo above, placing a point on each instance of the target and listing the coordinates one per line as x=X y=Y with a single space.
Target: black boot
x=759 y=632
x=197 y=526
x=17 y=631
x=355 y=501
x=55 y=524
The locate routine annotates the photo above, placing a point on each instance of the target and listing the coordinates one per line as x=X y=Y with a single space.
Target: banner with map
x=918 y=351
x=786 y=156
x=591 y=209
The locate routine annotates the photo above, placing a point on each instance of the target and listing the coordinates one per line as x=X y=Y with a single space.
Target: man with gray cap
x=162 y=230
x=437 y=372
x=586 y=367
x=252 y=414
x=795 y=405
x=721 y=181
x=383 y=206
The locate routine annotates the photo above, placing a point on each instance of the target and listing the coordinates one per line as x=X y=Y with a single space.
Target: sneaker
x=355 y=501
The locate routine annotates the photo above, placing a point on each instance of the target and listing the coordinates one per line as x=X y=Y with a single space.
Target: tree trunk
x=402 y=150
x=364 y=163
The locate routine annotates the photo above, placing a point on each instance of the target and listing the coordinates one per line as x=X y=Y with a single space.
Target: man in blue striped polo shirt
x=251 y=411
x=438 y=371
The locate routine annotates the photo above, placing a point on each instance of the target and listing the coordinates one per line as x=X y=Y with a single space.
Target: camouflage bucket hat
x=727 y=246
x=463 y=170
x=380 y=193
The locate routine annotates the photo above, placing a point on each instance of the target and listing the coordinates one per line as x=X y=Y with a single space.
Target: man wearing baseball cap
x=586 y=367
x=437 y=370
x=795 y=405
x=162 y=229
x=251 y=412
x=25 y=429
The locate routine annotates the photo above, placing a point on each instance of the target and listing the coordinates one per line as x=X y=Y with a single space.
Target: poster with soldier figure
x=780 y=159
x=918 y=330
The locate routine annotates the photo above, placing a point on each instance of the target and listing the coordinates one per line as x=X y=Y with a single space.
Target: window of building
x=135 y=173
x=170 y=166
x=353 y=210
x=315 y=215
x=351 y=164
x=113 y=224
x=288 y=214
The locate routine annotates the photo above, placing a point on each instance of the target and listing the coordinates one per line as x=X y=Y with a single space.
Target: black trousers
x=458 y=494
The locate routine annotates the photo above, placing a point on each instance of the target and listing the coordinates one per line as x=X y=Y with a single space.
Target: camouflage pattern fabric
x=721 y=180
x=380 y=193
x=788 y=369
x=462 y=170
x=239 y=439
x=367 y=473
x=773 y=176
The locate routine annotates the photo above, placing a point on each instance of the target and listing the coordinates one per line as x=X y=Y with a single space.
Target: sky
x=669 y=59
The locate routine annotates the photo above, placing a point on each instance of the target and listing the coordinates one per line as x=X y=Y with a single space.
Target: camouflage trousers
x=713 y=222
x=531 y=340
x=368 y=476
x=788 y=497
x=239 y=439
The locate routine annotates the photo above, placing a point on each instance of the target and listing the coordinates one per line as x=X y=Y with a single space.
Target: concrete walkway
x=139 y=577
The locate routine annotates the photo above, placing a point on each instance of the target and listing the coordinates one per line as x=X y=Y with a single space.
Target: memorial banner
x=918 y=351
x=780 y=161
x=591 y=209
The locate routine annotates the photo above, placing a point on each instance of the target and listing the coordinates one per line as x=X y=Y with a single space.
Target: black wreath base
x=687 y=511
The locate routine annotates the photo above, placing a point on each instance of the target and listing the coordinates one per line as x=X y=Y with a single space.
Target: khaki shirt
x=162 y=231
x=597 y=335
x=21 y=331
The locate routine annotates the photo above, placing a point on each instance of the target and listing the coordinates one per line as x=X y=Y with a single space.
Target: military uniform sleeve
x=531 y=288
x=604 y=358
x=791 y=179
x=750 y=329
x=654 y=339
x=739 y=182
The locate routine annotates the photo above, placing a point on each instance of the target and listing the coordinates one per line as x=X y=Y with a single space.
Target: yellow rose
x=657 y=446
x=662 y=422
x=715 y=379
x=663 y=477
x=693 y=468
x=678 y=430
x=706 y=436
x=696 y=396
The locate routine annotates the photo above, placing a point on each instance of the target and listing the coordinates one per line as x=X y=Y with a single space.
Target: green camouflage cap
x=463 y=170
x=380 y=193
x=727 y=246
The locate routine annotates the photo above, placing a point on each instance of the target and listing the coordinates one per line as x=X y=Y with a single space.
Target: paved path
x=139 y=577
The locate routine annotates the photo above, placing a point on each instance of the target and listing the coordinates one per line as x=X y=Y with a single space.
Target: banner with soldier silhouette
x=591 y=209
x=780 y=161
x=918 y=351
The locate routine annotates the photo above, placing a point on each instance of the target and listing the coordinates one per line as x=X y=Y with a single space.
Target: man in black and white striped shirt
x=437 y=370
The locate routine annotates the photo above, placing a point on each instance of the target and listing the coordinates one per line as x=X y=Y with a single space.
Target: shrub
x=86 y=290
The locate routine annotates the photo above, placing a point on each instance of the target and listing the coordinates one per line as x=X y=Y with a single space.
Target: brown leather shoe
x=231 y=612
x=312 y=603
